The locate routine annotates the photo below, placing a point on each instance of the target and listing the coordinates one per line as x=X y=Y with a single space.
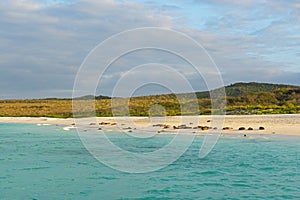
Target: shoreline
x=283 y=124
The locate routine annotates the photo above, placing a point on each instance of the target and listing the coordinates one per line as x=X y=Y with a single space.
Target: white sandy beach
x=288 y=124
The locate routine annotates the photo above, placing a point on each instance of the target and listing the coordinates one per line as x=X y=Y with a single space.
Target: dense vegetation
x=242 y=98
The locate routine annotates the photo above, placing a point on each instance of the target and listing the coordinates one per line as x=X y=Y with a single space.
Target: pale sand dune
x=288 y=124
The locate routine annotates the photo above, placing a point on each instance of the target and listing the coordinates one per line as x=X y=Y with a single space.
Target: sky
x=44 y=43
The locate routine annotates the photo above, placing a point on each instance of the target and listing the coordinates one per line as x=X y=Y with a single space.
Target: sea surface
x=47 y=162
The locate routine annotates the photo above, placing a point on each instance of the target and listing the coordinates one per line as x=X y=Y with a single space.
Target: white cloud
x=43 y=43
x=51 y=40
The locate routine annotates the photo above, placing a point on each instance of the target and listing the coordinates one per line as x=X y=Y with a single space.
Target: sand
x=287 y=124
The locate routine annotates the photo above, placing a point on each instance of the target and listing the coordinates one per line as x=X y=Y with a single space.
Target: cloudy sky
x=44 y=42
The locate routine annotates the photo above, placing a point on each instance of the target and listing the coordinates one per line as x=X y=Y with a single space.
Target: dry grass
x=141 y=106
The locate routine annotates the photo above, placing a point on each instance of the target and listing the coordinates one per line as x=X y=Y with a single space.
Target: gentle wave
x=43 y=162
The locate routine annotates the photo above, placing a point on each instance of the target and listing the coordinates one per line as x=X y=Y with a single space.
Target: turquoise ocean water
x=46 y=162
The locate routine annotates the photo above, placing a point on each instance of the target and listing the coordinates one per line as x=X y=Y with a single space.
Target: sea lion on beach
x=128 y=128
x=204 y=128
x=104 y=123
x=183 y=126
x=166 y=126
x=227 y=128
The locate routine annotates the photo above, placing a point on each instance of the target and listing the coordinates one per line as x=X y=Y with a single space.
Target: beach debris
x=245 y=135
x=92 y=124
x=215 y=128
x=158 y=131
x=261 y=128
x=113 y=124
x=242 y=128
x=130 y=131
x=250 y=129
x=227 y=128
x=99 y=128
x=208 y=120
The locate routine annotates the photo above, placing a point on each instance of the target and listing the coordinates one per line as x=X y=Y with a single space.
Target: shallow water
x=46 y=162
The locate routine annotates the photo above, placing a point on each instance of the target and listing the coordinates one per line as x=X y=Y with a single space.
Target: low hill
x=242 y=89
x=242 y=98
x=89 y=97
